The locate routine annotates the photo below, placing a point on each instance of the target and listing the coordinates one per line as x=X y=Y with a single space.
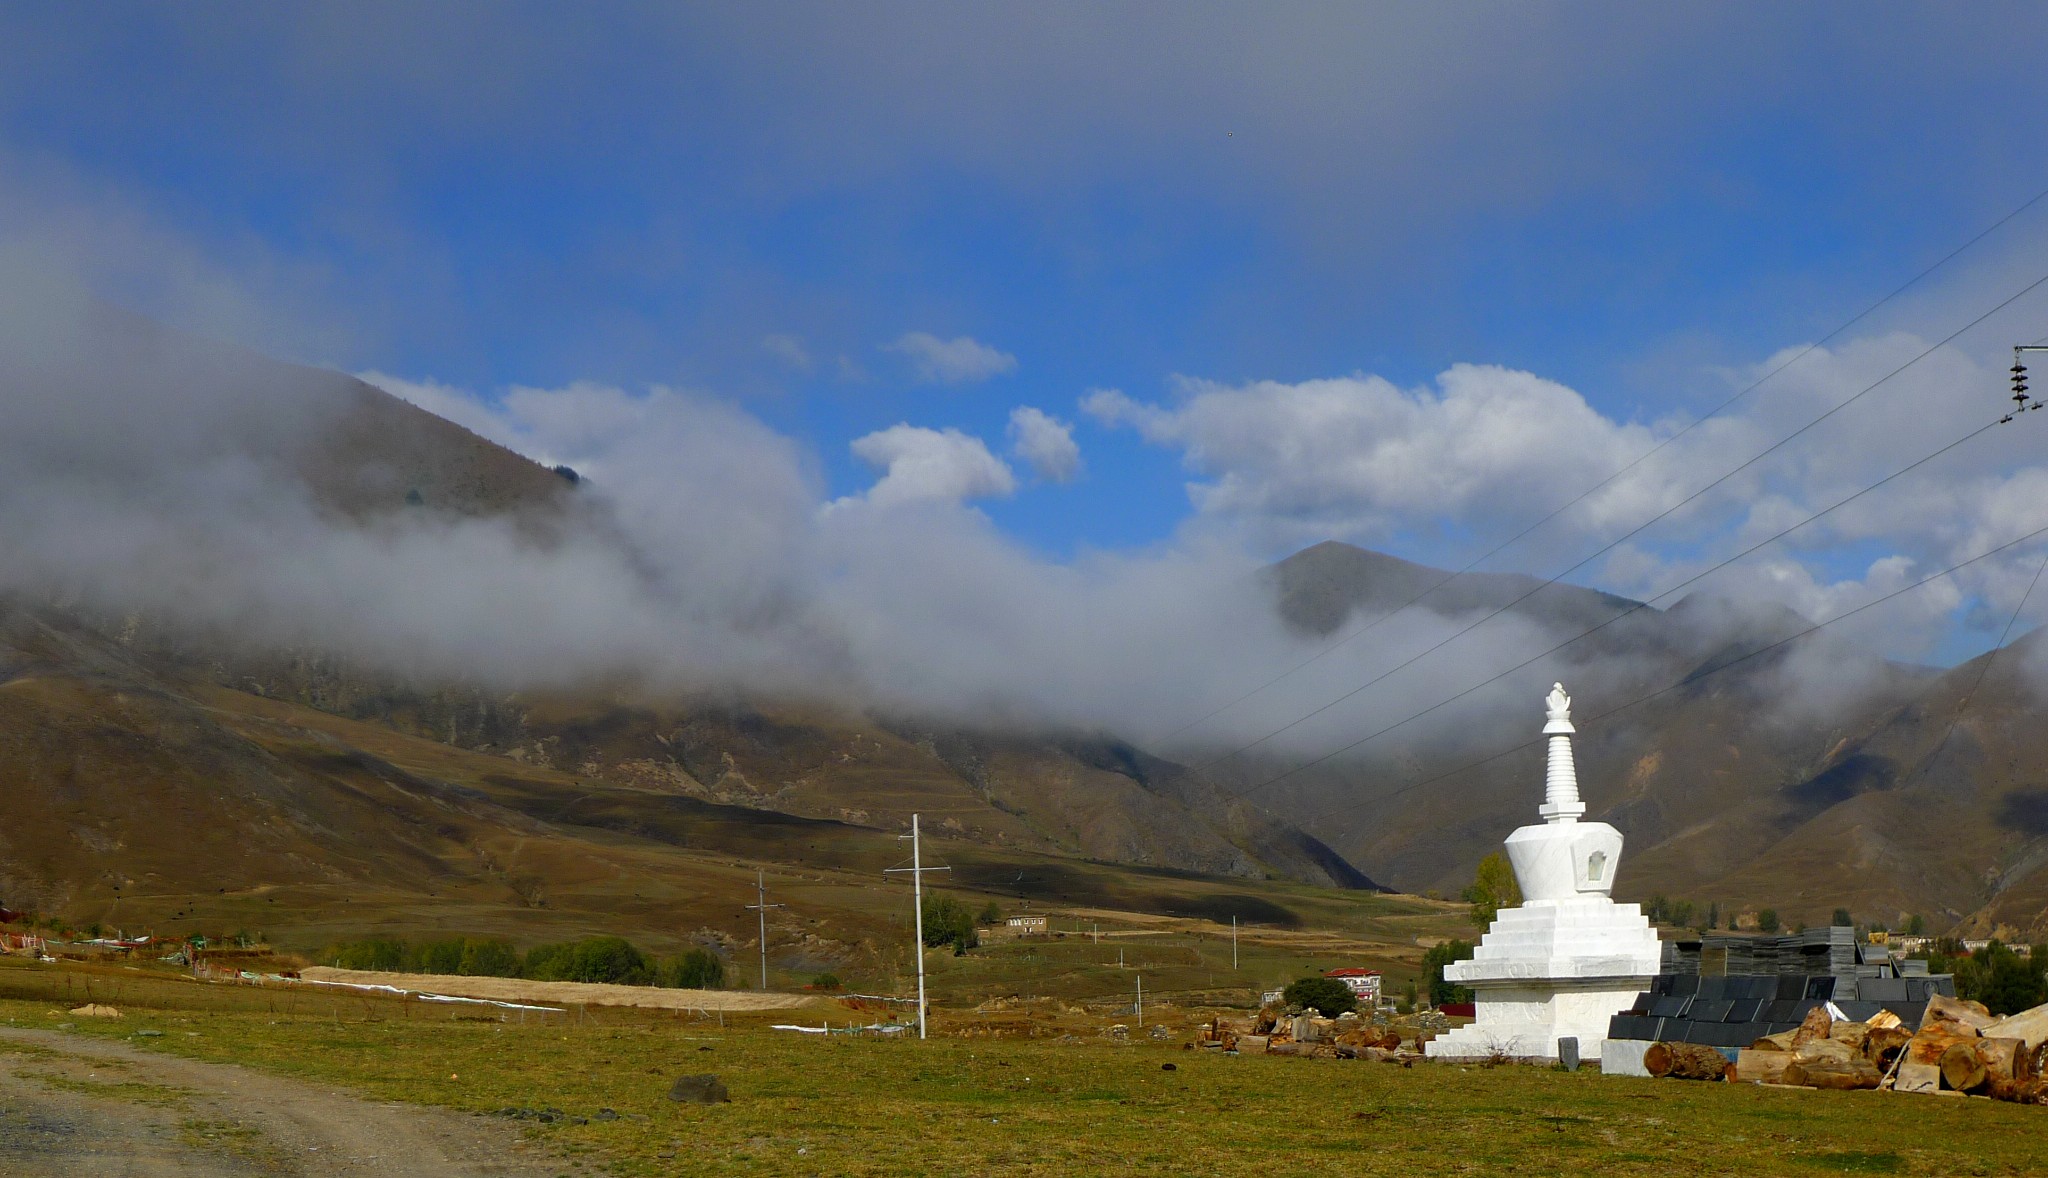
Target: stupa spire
x=1561 y=779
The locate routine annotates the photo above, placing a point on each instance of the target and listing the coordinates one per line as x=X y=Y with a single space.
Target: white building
x=1364 y=983
x=1569 y=958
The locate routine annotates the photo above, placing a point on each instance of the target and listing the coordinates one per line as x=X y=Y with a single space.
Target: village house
x=1363 y=983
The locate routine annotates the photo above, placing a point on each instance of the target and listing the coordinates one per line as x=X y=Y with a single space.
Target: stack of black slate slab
x=1737 y=1011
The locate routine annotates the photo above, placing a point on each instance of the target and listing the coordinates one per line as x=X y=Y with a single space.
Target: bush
x=1433 y=961
x=1326 y=995
x=593 y=959
x=696 y=969
x=992 y=913
x=825 y=981
x=1767 y=921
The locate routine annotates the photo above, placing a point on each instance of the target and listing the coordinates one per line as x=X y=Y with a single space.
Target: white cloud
x=788 y=349
x=1046 y=442
x=959 y=360
x=922 y=465
x=1358 y=457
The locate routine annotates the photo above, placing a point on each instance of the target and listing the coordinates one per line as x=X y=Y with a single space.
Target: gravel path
x=97 y=1109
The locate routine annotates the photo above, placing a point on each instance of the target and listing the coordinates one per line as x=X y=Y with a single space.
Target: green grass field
x=967 y=1102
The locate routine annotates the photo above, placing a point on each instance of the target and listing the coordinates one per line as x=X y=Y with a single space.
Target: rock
x=606 y=1114
x=95 y=1010
x=705 y=1089
x=149 y=1034
x=1168 y=1067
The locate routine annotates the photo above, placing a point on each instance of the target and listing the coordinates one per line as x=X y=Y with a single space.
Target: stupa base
x=1524 y=1019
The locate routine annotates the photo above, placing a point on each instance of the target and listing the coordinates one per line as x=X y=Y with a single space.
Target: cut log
x=1941 y=1009
x=1884 y=1019
x=1833 y=1070
x=1684 y=1061
x=1849 y=1033
x=2010 y=1067
x=2031 y=1025
x=1782 y=1041
x=1920 y=1063
x=1754 y=1065
x=1962 y=1068
x=1815 y=1025
x=1883 y=1045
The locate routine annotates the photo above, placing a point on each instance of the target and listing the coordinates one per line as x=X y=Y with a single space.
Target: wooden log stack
x=1959 y=1047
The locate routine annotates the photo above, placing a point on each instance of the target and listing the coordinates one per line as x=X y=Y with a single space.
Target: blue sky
x=1638 y=203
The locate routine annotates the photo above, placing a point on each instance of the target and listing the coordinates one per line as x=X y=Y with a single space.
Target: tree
x=593 y=959
x=1327 y=995
x=1433 y=961
x=2007 y=983
x=1767 y=920
x=697 y=969
x=1842 y=917
x=1681 y=913
x=1494 y=887
x=1714 y=915
x=489 y=959
x=949 y=922
x=1916 y=925
x=992 y=913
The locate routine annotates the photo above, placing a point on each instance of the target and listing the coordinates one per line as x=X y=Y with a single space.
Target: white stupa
x=1569 y=958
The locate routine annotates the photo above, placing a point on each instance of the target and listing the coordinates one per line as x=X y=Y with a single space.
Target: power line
x=1716 y=411
x=1697 y=675
x=1639 y=529
x=1633 y=608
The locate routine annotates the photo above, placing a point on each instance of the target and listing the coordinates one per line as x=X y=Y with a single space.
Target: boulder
x=699 y=1090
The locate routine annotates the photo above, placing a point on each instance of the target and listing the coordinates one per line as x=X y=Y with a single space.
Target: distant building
x=1364 y=983
x=1026 y=926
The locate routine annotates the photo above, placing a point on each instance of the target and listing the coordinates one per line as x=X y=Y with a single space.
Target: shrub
x=825 y=981
x=992 y=913
x=696 y=969
x=1327 y=995
x=1767 y=920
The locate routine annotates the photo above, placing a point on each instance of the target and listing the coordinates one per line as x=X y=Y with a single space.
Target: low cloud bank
x=149 y=472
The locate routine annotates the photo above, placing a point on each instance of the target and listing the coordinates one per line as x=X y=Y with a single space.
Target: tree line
x=614 y=960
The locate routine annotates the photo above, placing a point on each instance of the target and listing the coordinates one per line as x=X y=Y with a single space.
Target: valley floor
x=998 y=1092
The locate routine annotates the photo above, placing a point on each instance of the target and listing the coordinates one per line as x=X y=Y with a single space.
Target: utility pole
x=916 y=871
x=762 y=905
x=1141 y=1002
x=1233 y=942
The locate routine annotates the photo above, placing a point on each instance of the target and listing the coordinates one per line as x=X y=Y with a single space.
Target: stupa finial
x=1561 y=779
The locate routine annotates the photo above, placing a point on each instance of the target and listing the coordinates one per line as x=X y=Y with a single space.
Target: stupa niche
x=1569 y=958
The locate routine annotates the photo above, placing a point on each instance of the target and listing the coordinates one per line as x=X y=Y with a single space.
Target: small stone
x=701 y=1089
x=149 y=1034
x=1169 y=1067
x=606 y=1114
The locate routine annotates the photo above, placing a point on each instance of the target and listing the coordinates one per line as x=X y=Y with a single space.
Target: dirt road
x=96 y=1109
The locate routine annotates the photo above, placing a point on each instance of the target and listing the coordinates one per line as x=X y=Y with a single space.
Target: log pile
x=1959 y=1047
x=1317 y=1038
